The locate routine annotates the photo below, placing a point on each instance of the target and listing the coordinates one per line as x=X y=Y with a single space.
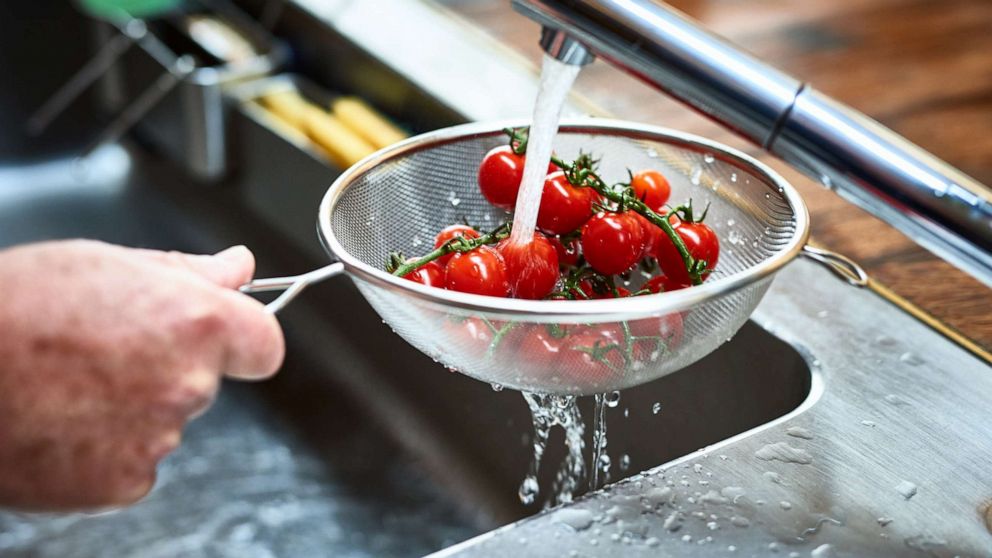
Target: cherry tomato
x=656 y=336
x=540 y=347
x=702 y=244
x=430 y=274
x=450 y=232
x=499 y=176
x=568 y=252
x=564 y=207
x=612 y=242
x=593 y=353
x=481 y=271
x=532 y=268
x=652 y=234
x=652 y=188
x=663 y=284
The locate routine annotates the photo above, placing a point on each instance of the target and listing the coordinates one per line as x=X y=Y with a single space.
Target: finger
x=253 y=342
x=228 y=268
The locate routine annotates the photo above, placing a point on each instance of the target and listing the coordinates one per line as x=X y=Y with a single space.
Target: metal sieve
x=401 y=196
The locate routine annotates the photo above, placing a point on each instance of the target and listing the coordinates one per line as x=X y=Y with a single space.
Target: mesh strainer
x=399 y=197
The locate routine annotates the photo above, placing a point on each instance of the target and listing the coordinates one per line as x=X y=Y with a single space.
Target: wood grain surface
x=921 y=67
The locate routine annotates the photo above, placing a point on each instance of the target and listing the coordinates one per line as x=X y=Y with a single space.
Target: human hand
x=105 y=353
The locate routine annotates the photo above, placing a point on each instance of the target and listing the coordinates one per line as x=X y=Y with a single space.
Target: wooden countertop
x=921 y=67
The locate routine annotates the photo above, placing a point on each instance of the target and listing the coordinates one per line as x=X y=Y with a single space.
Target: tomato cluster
x=591 y=241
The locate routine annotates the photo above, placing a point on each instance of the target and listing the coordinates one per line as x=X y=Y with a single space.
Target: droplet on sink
x=893 y=399
x=823 y=551
x=673 y=522
x=907 y=489
x=656 y=408
x=577 y=520
x=624 y=462
x=799 y=432
x=774 y=477
x=911 y=359
x=883 y=521
x=785 y=505
x=868 y=423
x=822 y=313
x=497 y=387
x=782 y=451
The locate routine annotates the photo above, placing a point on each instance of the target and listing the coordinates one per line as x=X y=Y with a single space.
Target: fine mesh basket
x=398 y=198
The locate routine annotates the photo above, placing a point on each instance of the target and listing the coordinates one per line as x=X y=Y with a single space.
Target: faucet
x=936 y=205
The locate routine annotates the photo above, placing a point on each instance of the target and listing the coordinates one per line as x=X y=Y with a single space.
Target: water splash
x=600 y=459
x=546 y=412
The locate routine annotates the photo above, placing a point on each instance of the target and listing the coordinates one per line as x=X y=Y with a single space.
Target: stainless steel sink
x=363 y=444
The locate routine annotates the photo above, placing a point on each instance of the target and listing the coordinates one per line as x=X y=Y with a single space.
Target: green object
x=122 y=9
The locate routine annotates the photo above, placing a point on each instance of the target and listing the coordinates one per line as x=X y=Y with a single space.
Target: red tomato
x=499 y=176
x=539 y=348
x=450 y=232
x=564 y=207
x=481 y=271
x=430 y=274
x=663 y=284
x=532 y=268
x=612 y=242
x=660 y=335
x=652 y=188
x=652 y=234
x=702 y=244
x=593 y=353
x=568 y=252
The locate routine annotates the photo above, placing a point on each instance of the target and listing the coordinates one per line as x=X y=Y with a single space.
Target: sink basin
x=362 y=445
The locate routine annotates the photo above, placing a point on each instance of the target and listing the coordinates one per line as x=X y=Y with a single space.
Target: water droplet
x=735 y=237
x=768 y=196
x=799 y=432
x=708 y=157
x=773 y=546
x=906 y=488
x=612 y=399
x=712 y=525
x=497 y=387
x=883 y=521
x=624 y=462
x=686 y=538
x=652 y=153
x=697 y=468
x=911 y=359
x=652 y=541
x=774 y=477
x=823 y=551
x=697 y=174
x=656 y=408
x=738 y=521
x=723 y=457
x=782 y=451
x=868 y=423
x=626 y=412
x=731 y=548
x=528 y=490
x=785 y=505
x=826 y=181
x=822 y=313
x=733 y=177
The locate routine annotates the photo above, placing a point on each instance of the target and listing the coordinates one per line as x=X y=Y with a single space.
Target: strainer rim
x=622 y=308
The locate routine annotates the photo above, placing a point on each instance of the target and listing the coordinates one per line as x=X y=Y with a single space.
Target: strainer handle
x=840 y=265
x=291 y=286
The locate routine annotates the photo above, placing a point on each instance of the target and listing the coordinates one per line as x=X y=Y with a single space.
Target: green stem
x=457 y=244
x=587 y=177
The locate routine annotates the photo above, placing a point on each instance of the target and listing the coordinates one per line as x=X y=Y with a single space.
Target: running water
x=548 y=411
x=556 y=81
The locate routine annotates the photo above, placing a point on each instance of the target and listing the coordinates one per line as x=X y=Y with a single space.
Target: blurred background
x=207 y=123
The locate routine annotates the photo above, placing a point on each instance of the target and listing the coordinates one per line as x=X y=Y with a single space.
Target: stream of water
x=556 y=81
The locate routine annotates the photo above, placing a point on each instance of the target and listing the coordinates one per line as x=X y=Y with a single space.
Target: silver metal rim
x=622 y=308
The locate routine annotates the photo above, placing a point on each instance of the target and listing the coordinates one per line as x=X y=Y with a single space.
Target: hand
x=105 y=353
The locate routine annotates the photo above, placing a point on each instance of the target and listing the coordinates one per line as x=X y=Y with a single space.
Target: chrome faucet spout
x=933 y=203
x=564 y=48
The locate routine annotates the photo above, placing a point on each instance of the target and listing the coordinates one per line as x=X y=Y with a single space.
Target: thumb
x=228 y=268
